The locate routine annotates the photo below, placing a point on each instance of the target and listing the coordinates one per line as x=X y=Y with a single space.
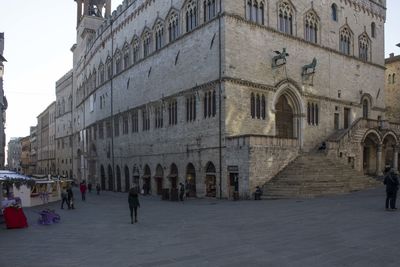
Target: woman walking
x=133 y=200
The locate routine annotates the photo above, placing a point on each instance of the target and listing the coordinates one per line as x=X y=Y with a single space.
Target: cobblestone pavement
x=350 y=230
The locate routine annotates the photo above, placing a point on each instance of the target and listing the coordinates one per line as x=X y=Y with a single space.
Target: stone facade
x=25 y=155
x=33 y=151
x=203 y=92
x=3 y=104
x=46 y=163
x=392 y=87
x=14 y=154
x=63 y=124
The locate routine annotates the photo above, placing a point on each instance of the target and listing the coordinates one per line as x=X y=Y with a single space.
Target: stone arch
x=135 y=175
x=173 y=176
x=390 y=143
x=159 y=179
x=127 y=179
x=190 y=182
x=119 y=189
x=103 y=177
x=110 y=178
x=366 y=103
x=146 y=179
x=288 y=96
x=376 y=136
x=372 y=152
x=211 y=180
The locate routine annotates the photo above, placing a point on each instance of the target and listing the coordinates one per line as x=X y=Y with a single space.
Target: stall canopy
x=9 y=175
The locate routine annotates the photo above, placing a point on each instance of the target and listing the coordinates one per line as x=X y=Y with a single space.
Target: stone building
x=14 y=154
x=64 y=125
x=392 y=87
x=25 y=155
x=3 y=104
x=46 y=163
x=33 y=151
x=225 y=95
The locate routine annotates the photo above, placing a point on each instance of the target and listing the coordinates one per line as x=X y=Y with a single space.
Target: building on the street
x=392 y=87
x=14 y=154
x=25 y=155
x=45 y=133
x=3 y=104
x=33 y=151
x=223 y=95
x=64 y=125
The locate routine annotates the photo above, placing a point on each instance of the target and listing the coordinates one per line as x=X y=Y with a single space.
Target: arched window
x=393 y=78
x=101 y=73
x=173 y=31
x=191 y=108
x=373 y=30
x=135 y=50
x=210 y=104
x=109 y=68
x=389 y=78
x=363 y=45
x=258 y=106
x=285 y=17
x=345 y=41
x=365 y=108
x=252 y=106
x=159 y=32
x=312 y=114
x=210 y=9
x=126 y=56
x=191 y=15
x=255 y=11
x=311 y=28
x=146 y=43
x=334 y=12
x=118 y=62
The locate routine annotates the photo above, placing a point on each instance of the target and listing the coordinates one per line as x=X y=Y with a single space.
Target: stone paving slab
x=348 y=230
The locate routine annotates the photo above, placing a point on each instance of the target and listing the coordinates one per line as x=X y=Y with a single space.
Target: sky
x=38 y=37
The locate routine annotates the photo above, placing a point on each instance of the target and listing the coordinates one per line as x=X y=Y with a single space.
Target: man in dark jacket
x=133 y=200
x=392 y=186
x=181 y=191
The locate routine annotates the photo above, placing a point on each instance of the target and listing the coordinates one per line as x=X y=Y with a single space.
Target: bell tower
x=95 y=8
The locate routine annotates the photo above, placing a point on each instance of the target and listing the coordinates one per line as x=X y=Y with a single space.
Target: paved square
x=350 y=230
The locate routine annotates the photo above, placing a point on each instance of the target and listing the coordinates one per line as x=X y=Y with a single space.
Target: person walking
x=70 y=196
x=133 y=200
x=64 y=198
x=98 y=189
x=392 y=186
x=83 y=189
x=181 y=191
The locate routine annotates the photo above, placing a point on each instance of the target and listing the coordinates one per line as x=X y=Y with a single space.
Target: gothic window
x=363 y=46
x=109 y=68
x=173 y=23
x=145 y=119
x=116 y=126
x=255 y=11
x=125 y=127
x=159 y=32
x=118 y=62
x=135 y=121
x=191 y=15
x=334 y=12
x=146 y=43
x=210 y=104
x=94 y=78
x=108 y=128
x=191 y=108
x=312 y=114
x=126 y=56
x=158 y=119
x=285 y=17
x=373 y=30
x=311 y=28
x=345 y=41
x=101 y=73
x=365 y=108
x=173 y=112
x=135 y=50
x=253 y=105
x=210 y=9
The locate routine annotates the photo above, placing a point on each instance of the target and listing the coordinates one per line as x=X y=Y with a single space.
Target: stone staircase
x=314 y=174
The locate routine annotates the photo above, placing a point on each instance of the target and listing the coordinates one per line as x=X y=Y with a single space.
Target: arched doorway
x=127 y=180
x=284 y=118
x=136 y=176
x=211 y=180
x=389 y=151
x=92 y=164
x=158 y=179
x=119 y=189
x=146 y=180
x=103 y=177
x=173 y=176
x=371 y=153
x=190 y=183
x=110 y=179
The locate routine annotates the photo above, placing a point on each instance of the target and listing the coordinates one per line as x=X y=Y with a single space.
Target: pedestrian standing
x=89 y=187
x=392 y=186
x=83 y=190
x=133 y=200
x=70 y=195
x=98 y=189
x=181 y=191
x=64 y=198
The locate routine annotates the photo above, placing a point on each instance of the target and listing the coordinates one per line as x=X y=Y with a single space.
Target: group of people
x=67 y=196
